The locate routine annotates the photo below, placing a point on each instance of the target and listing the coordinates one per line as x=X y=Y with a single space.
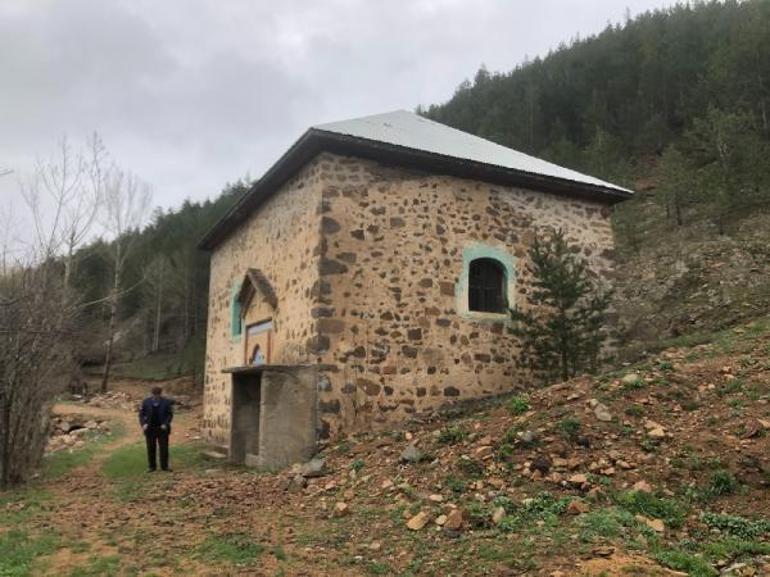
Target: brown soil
x=711 y=401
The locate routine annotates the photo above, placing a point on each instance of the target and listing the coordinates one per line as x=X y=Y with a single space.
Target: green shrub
x=738 y=526
x=518 y=405
x=722 y=482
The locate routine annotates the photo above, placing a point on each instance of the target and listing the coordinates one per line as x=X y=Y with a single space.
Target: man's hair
x=156 y=390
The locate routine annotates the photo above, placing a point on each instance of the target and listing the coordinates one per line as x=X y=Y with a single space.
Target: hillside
x=649 y=103
x=659 y=468
x=672 y=103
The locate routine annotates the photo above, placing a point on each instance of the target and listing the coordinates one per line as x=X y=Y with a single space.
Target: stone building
x=369 y=273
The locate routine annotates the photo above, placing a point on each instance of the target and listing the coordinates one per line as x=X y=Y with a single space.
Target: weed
x=665 y=366
x=376 y=568
x=452 y=435
x=672 y=512
x=607 y=523
x=730 y=387
x=634 y=385
x=722 y=482
x=511 y=434
x=680 y=560
x=456 y=485
x=544 y=508
x=569 y=428
x=236 y=548
x=505 y=452
x=470 y=468
x=478 y=515
x=634 y=410
x=357 y=465
x=737 y=526
x=518 y=405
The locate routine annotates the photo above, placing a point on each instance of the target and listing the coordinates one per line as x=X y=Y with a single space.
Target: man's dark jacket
x=165 y=412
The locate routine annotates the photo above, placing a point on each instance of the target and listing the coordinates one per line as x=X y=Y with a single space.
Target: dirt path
x=89 y=510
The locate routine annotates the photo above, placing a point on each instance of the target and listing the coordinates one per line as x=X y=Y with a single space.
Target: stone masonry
x=369 y=265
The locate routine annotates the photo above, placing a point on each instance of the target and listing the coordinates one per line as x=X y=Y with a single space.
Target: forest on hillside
x=673 y=102
x=677 y=98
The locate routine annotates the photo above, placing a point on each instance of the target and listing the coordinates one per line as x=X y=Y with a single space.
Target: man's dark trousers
x=157 y=438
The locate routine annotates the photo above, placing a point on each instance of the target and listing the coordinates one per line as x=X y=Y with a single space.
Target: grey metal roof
x=404 y=139
x=409 y=130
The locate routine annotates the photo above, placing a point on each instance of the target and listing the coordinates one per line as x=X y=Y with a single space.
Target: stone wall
x=369 y=265
x=282 y=240
x=392 y=314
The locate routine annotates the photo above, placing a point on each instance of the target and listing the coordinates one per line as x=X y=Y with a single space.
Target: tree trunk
x=158 y=311
x=113 y=317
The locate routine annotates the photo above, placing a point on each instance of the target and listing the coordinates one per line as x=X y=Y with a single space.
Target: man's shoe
x=151 y=470
x=168 y=470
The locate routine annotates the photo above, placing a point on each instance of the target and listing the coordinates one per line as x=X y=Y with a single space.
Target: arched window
x=486 y=286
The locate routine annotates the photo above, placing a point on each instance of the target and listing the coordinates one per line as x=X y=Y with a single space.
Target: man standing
x=155 y=418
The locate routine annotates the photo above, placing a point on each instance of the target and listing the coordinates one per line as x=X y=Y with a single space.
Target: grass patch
x=606 y=523
x=130 y=462
x=544 y=509
x=679 y=560
x=98 y=567
x=670 y=511
x=21 y=505
x=236 y=549
x=127 y=465
x=18 y=551
x=62 y=462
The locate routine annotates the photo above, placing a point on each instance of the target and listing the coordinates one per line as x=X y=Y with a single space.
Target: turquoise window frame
x=507 y=261
x=236 y=322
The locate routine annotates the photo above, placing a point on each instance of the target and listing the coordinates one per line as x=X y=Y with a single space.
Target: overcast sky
x=190 y=94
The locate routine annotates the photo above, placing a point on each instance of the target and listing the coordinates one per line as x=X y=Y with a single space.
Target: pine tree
x=561 y=332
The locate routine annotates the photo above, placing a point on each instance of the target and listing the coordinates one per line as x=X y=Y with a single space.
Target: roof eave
x=314 y=141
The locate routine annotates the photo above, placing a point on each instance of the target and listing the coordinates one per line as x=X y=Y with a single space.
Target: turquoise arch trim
x=236 y=323
x=472 y=252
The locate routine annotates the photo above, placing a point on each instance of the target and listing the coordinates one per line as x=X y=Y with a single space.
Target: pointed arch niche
x=257 y=302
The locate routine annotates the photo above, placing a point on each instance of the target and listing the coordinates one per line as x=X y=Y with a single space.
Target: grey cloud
x=190 y=94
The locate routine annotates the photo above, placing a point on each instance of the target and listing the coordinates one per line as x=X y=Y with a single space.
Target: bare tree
x=37 y=310
x=63 y=199
x=35 y=357
x=126 y=202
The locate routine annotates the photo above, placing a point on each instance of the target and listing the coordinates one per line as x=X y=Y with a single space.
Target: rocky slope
x=674 y=281
x=658 y=469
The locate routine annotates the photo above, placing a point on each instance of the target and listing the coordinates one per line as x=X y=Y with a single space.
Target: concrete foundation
x=273 y=415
